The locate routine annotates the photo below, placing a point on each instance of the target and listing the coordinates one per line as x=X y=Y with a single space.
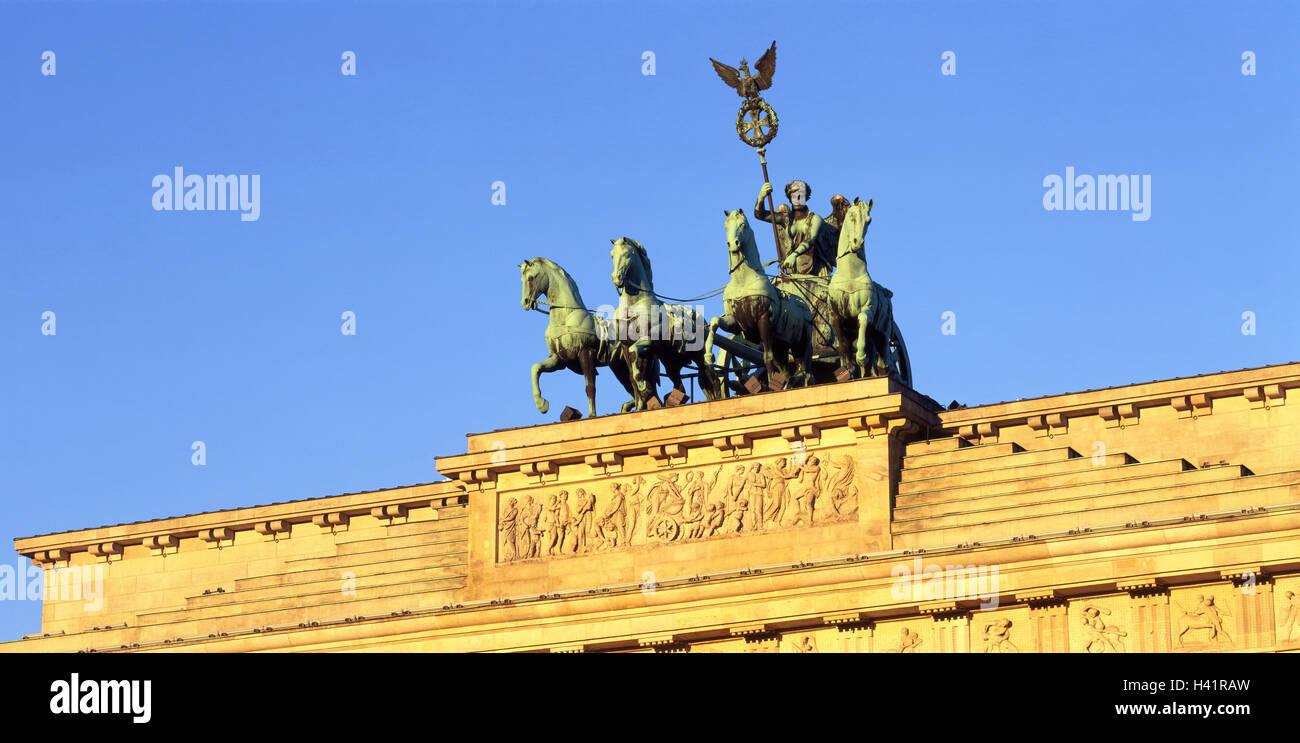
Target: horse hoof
x=543 y=406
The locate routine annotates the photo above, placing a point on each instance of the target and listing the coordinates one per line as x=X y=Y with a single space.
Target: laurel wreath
x=766 y=112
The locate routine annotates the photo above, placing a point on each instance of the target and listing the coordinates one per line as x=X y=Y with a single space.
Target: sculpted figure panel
x=804 y=644
x=997 y=637
x=679 y=505
x=908 y=641
x=1288 y=619
x=915 y=635
x=1100 y=633
x=507 y=525
x=1199 y=619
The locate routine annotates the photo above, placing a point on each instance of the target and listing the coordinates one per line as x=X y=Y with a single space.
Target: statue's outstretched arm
x=760 y=210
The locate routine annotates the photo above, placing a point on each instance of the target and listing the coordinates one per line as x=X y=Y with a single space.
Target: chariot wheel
x=665 y=529
x=902 y=365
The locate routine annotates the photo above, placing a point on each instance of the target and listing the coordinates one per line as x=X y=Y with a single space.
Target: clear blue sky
x=174 y=327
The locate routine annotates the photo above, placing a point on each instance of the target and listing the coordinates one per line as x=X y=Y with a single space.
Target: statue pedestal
x=689 y=490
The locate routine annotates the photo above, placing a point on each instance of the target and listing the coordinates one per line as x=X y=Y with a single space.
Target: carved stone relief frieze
x=678 y=505
x=1200 y=618
x=1099 y=626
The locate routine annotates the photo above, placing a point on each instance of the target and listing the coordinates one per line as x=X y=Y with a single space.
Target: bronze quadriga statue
x=820 y=319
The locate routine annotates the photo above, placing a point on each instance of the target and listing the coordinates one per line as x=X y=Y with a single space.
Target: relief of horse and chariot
x=820 y=318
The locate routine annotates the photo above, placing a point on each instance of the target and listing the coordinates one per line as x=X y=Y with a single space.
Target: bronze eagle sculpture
x=745 y=85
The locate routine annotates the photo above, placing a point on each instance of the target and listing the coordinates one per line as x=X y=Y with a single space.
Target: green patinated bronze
x=821 y=318
x=863 y=311
x=575 y=338
x=651 y=330
x=801 y=244
x=754 y=309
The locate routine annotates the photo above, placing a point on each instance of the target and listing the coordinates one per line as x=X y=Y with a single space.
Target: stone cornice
x=219 y=526
x=869 y=406
x=1124 y=404
x=790 y=587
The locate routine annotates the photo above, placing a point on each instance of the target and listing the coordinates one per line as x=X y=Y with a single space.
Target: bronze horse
x=576 y=339
x=754 y=309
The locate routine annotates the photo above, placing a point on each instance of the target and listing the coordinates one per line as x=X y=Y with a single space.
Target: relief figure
x=1101 y=637
x=583 y=521
x=1289 y=626
x=613 y=520
x=1205 y=615
x=527 y=529
x=997 y=637
x=778 y=493
x=805 y=497
x=565 y=537
x=908 y=641
x=509 y=531
x=841 y=487
x=547 y=526
x=756 y=488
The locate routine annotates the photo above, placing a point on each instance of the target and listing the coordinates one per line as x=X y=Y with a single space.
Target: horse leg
x=642 y=353
x=694 y=332
x=673 y=368
x=550 y=364
x=805 y=362
x=589 y=373
x=620 y=373
x=791 y=357
x=634 y=374
x=843 y=344
x=882 y=355
x=727 y=323
x=794 y=358
x=1220 y=629
x=765 y=334
x=708 y=380
x=781 y=359
x=860 y=348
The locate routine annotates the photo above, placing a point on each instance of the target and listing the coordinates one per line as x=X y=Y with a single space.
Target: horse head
x=631 y=266
x=853 y=231
x=740 y=239
x=534 y=281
